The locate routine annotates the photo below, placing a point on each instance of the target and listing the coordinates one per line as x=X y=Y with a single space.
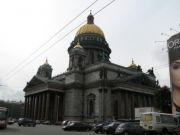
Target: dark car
x=110 y=128
x=65 y=122
x=176 y=131
x=98 y=128
x=11 y=121
x=77 y=126
x=26 y=122
x=130 y=128
x=47 y=122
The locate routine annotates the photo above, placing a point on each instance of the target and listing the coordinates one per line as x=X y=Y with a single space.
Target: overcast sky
x=131 y=28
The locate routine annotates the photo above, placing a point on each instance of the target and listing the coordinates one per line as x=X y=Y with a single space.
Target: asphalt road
x=39 y=130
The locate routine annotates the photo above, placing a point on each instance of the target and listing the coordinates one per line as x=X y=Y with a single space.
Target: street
x=39 y=130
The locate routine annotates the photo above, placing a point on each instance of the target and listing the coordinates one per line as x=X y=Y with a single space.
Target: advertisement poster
x=173 y=45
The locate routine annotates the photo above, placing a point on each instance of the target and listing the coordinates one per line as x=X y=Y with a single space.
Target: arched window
x=91 y=105
x=91 y=108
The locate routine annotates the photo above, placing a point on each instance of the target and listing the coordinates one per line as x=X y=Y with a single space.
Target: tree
x=162 y=100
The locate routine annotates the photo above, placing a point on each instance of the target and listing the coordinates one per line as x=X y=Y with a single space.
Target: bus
x=159 y=122
x=3 y=117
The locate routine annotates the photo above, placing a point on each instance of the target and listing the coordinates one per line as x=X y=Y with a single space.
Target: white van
x=159 y=122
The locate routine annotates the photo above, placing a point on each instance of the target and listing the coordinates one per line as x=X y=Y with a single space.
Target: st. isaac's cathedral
x=93 y=88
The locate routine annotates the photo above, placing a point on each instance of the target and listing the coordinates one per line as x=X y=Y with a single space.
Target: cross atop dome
x=46 y=62
x=90 y=18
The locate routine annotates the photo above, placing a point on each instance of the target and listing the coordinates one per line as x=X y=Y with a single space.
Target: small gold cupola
x=46 y=62
x=133 y=65
x=78 y=46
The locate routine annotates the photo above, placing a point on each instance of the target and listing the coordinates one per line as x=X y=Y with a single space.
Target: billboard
x=173 y=45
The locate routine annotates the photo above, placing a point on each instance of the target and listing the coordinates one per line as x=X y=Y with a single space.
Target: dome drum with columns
x=92 y=39
x=92 y=88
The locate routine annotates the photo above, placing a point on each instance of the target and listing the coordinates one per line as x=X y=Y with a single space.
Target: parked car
x=26 y=122
x=65 y=122
x=47 y=122
x=177 y=131
x=77 y=126
x=130 y=128
x=11 y=121
x=98 y=128
x=110 y=128
x=38 y=122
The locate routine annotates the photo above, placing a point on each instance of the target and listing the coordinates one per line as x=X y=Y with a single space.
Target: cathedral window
x=88 y=38
x=91 y=105
x=100 y=39
x=92 y=57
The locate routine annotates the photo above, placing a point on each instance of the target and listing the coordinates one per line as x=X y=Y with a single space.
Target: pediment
x=35 y=81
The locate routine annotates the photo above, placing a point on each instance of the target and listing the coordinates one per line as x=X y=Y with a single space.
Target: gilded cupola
x=90 y=27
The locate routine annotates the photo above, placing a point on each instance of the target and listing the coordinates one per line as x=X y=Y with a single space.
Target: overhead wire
x=58 y=41
x=45 y=43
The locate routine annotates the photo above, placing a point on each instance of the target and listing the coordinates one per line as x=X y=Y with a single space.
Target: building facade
x=92 y=88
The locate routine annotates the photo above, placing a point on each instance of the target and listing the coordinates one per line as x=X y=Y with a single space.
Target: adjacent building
x=92 y=88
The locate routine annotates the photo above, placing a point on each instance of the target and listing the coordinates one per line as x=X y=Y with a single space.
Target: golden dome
x=133 y=65
x=90 y=27
x=78 y=45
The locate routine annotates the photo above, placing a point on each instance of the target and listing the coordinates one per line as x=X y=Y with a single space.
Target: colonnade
x=44 y=106
x=125 y=102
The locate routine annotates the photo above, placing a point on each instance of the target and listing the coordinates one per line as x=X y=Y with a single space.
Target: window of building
x=91 y=105
x=92 y=57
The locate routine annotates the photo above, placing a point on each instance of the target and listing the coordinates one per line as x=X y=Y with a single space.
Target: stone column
x=39 y=106
x=149 y=101
x=42 y=107
x=107 y=104
x=132 y=106
x=122 y=106
x=28 y=106
x=56 y=107
x=119 y=105
x=100 y=104
x=35 y=107
x=126 y=105
x=25 y=106
x=146 y=101
x=30 y=109
x=61 y=106
x=47 y=106
x=140 y=101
